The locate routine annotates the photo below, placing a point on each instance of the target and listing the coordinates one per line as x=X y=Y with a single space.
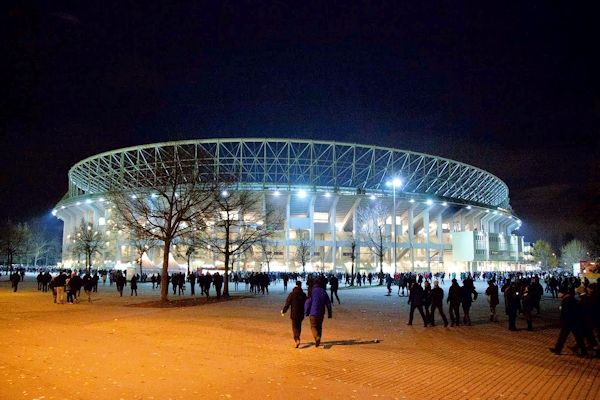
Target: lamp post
x=394 y=183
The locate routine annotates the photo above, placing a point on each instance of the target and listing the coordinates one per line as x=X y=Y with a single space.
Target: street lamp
x=394 y=183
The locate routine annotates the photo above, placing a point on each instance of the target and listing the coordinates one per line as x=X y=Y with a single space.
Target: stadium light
x=302 y=193
x=429 y=202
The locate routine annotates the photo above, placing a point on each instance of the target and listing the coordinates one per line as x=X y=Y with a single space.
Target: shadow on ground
x=350 y=342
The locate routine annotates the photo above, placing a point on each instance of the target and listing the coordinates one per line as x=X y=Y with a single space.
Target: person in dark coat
x=296 y=300
x=315 y=309
x=218 y=283
x=437 y=300
x=512 y=302
x=207 y=282
x=536 y=291
x=120 y=281
x=415 y=299
x=427 y=301
x=133 y=284
x=192 y=280
x=454 y=299
x=15 y=278
x=468 y=294
x=528 y=301
x=493 y=299
x=570 y=322
x=334 y=285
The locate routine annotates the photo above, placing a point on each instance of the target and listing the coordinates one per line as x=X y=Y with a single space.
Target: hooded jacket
x=316 y=303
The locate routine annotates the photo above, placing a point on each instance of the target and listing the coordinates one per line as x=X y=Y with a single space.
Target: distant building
x=450 y=216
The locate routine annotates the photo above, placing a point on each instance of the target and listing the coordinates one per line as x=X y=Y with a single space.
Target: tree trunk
x=226 y=273
x=381 y=268
x=141 y=271
x=164 y=279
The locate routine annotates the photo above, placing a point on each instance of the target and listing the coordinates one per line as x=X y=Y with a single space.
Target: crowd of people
x=522 y=293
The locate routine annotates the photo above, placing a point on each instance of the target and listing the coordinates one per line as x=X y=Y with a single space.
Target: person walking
x=437 y=300
x=296 y=300
x=427 y=300
x=415 y=299
x=133 y=284
x=528 y=301
x=334 y=285
x=493 y=299
x=570 y=322
x=218 y=283
x=15 y=278
x=192 y=281
x=88 y=286
x=454 y=298
x=512 y=303
x=314 y=308
x=120 y=281
x=468 y=295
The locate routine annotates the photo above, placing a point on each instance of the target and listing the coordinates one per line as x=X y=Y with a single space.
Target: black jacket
x=437 y=296
x=296 y=300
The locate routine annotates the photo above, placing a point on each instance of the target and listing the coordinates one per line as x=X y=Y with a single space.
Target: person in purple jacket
x=314 y=308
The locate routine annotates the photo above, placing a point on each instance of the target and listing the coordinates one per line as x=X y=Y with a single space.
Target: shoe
x=452 y=324
x=410 y=323
x=297 y=343
x=317 y=343
x=446 y=325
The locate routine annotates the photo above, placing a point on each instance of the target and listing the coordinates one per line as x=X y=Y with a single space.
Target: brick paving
x=244 y=349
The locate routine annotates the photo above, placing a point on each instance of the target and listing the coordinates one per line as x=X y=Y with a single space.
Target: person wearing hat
x=314 y=308
x=296 y=300
x=570 y=322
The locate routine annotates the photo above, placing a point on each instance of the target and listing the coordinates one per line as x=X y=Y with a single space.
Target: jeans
x=316 y=326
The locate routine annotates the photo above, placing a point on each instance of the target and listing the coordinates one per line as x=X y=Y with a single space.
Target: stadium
x=443 y=215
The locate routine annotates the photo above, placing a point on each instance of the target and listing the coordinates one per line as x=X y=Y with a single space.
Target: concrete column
x=311 y=222
x=286 y=255
x=356 y=239
x=440 y=236
x=427 y=244
x=411 y=236
x=333 y=230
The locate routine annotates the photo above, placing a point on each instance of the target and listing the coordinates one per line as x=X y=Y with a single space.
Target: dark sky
x=511 y=88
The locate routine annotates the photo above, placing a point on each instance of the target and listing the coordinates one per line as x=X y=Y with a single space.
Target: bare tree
x=267 y=251
x=372 y=222
x=173 y=204
x=236 y=223
x=13 y=241
x=303 y=250
x=87 y=240
x=142 y=242
x=188 y=246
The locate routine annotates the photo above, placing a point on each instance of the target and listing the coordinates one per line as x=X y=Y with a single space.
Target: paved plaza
x=122 y=348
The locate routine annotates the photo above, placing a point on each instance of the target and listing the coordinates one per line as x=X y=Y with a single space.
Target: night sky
x=509 y=87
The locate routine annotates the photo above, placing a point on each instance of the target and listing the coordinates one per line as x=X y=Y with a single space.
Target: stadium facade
x=444 y=215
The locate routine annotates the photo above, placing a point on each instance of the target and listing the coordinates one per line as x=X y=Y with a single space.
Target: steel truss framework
x=265 y=163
